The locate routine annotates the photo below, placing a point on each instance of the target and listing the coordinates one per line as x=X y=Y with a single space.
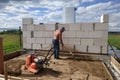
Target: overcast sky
x=51 y=11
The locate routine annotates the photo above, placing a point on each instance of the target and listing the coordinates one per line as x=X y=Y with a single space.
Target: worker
x=55 y=41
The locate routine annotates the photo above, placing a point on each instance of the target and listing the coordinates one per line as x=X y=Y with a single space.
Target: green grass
x=115 y=40
x=11 y=42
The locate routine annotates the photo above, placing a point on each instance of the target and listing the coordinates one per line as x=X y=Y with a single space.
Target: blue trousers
x=56 y=47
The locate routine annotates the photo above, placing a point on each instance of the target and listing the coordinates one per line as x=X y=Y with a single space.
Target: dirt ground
x=61 y=69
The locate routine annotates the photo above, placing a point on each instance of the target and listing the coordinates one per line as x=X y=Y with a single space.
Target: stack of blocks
x=78 y=37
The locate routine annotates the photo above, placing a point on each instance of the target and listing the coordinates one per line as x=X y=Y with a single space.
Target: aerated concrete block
x=94 y=49
x=48 y=34
x=27 y=21
x=104 y=34
x=30 y=27
x=27 y=34
x=101 y=26
x=27 y=46
x=46 y=46
x=105 y=49
x=87 y=26
x=104 y=18
x=75 y=27
x=81 y=34
x=87 y=42
x=40 y=40
x=36 y=46
x=24 y=39
x=30 y=40
x=66 y=40
x=24 y=27
x=69 y=34
x=40 y=27
x=67 y=27
x=80 y=48
x=38 y=34
x=95 y=34
x=48 y=40
x=69 y=47
x=100 y=42
x=24 y=45
x=74 y=41
x=50 y=27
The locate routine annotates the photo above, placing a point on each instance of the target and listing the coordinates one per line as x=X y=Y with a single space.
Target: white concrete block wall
x=40 y=40
x=104 y=18
x=94 y=49
x=30 y=40
x=86 y=42
x=105 y=49
x=101 y=26
x=104 y=34
x=30 y=27
x=40 y=27
x=27 y=34
x=24 y=40
x=80 y=48
x=87 y=26
x=38 y=34
x=74 y=41
x=46 y=46
x=48 y=34
x=82 y=34
x=75 y=27
x=66 y=40
x=27 y=21
x=36 y=46
x=27 y=46
x=69 y=34
x=24 y=27
x=79 y=37
x=95 y=34
x=69 y=47
x=50 y=27
x=67 y=27
x=48 y=40
x=100 y=42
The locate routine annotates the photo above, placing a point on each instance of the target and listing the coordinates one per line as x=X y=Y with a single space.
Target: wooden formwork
x=82 y=57
x=115 y=64
x=12 y=55
x=1 y=57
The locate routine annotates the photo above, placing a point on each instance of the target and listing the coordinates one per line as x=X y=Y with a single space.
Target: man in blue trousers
x=56 y=39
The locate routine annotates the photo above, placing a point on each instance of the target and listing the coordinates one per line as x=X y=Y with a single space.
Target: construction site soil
x=64 y=68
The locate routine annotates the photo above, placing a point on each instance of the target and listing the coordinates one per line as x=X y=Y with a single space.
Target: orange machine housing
x=30 y=64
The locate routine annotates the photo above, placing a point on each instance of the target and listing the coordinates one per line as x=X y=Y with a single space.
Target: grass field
x=11 y=42
x=115 y=40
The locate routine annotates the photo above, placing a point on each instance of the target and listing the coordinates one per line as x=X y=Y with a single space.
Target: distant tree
x=12 y=31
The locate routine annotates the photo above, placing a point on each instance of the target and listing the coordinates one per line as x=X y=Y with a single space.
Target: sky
x=51 y=11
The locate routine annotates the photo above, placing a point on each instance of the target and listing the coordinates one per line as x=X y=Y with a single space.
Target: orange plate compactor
x=34 y=63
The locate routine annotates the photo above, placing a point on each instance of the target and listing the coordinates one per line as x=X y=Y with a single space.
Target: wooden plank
x=6 y=71
x=111 y=77
x=1 y=56
x=13 y=77
x=116 y=64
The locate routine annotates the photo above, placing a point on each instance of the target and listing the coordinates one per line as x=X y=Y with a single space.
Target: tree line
x=12 y=31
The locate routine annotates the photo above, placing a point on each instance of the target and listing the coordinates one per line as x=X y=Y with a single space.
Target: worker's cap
x=63 y=28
